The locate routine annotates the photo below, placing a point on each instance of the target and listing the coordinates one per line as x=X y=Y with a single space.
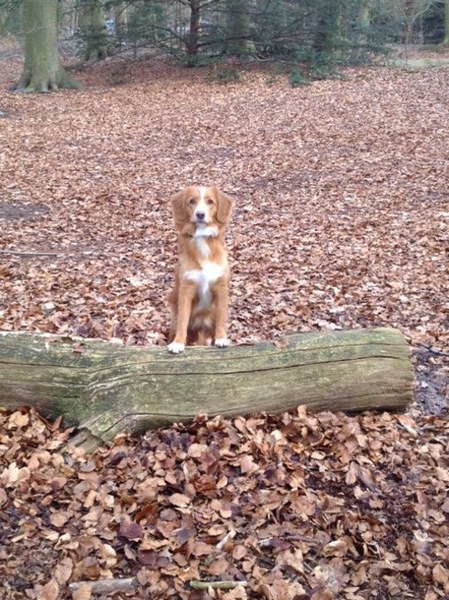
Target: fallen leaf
x=50 y=591
x=84 y=592
x=179 y=500
x=130 y=530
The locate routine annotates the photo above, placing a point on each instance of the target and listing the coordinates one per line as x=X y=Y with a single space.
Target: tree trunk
x=363 y=22
x=105 y=389
x=326 y=32
x=121 y=21
x=238 y=28
x=446 y=23
x=42 y=71
x=408 y=22
x=3 y=19
x=93 y=29
x=192 y=43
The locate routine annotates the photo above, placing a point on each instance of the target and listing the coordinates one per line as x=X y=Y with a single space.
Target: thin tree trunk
x=105 y=389
x=192 y=44
x=120 y=20
x=363 y=22
x=3 y=19
x=408 y=25
x=363 y=25
x=446 y=23
x=42 y=70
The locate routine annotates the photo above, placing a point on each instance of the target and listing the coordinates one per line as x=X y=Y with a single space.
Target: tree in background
x=92 y=28
x=42 y=70
x=446 y=23
x=238 y=36
x=199 y=35
x=9 y=16
x=310 y=37
x=328 y=35
x=412 y=11
x=363 y=24
x=413 y=21
x=194 y=27
x=120 y=20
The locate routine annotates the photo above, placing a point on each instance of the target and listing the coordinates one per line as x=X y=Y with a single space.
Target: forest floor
x=341 y=221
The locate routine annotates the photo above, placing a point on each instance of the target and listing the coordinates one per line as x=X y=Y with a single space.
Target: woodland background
x=328 y=124
x=309 y=37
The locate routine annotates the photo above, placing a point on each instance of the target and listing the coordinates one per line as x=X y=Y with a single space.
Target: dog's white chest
x=205 y=277
x=202 y=233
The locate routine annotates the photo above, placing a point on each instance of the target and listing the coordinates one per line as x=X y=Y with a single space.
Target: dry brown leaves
x=299 y=506
x=342 y=221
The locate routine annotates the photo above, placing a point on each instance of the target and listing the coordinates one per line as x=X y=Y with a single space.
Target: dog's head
x=201 y=206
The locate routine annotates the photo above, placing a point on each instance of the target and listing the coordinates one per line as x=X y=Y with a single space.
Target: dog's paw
x=175 y=347
x=222 y=342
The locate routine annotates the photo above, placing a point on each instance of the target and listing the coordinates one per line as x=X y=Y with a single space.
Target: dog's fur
x=199 y=301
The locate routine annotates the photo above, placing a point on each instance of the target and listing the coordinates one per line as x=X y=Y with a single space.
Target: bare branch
x=107 y=586
x=217 y=585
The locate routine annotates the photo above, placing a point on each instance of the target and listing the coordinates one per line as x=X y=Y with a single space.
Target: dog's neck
x=202 y=234
x=205 y=231
x=193 y=231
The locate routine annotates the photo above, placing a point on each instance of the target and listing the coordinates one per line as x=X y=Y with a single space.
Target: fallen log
x=104 y=388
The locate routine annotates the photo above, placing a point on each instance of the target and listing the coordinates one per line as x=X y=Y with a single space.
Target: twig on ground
x=107 y=586
x=229 y=536
x=217 y=585
x=433 y=350
x=27 y=253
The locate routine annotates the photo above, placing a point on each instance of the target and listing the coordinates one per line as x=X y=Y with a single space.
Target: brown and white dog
x=199 y=301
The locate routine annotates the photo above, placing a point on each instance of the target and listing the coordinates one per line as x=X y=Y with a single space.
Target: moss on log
x=104 y=388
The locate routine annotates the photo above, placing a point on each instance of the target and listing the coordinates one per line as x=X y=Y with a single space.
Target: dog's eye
x=192 y=201
x=209 y=201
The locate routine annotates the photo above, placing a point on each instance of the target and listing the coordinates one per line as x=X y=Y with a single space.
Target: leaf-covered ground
x=299 y=507
x=341 y=221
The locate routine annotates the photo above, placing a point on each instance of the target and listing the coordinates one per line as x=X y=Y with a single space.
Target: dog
x=199 y=300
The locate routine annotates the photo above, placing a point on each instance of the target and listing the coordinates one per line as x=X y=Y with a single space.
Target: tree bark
x=238 y=28
x=363 y=22
x=42 y=70
x=446 y=23
x=194 y=30
x=120 y=20
x=104 y=389
x=326 y=31
x=93 y=29
x=408 y=22
x=106 y=586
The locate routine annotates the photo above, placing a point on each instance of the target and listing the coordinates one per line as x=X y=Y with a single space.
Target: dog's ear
x=178 y=203
x=225 y=206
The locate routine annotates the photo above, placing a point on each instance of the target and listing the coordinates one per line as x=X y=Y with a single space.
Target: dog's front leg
x=221 y=315
x=185 y=299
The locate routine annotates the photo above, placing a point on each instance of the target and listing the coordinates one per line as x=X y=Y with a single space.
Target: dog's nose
x=200 y=216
